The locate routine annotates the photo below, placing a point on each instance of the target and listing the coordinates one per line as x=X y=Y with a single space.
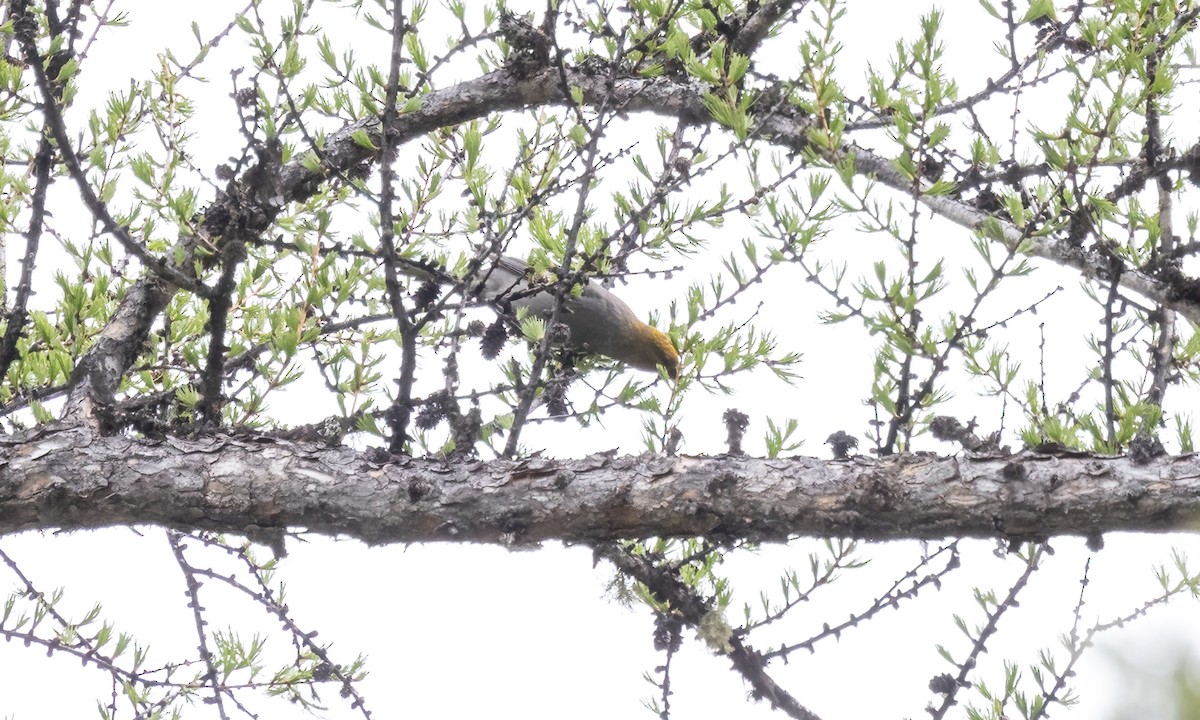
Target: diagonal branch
x=757 y=24
x=497 y=92
x=747 y=661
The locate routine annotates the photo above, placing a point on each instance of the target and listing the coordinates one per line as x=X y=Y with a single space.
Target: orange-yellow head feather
x=653 y=348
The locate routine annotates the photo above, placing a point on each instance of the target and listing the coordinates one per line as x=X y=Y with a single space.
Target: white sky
x=481 y=631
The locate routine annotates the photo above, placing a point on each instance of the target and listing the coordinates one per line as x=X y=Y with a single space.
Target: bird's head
x=654 y=348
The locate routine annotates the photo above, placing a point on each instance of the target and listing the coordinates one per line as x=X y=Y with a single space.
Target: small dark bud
x=555 y=396
x=437 y=406
x=841 y=443
x=943 y=684
x=668 y=633
x=560 y=335
x=426 y=295
x=946 y=428
x=1144 y=448
x=988 y=201
x=736 y=423
x=494 y=338
x=465 y=430
x=931 y=168
x=323 y=672
x=245 y=97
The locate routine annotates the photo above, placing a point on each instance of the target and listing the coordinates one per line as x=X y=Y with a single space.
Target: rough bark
x=76 y=477
x=70 y=478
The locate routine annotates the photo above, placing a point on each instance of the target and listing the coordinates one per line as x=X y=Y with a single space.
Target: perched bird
x=599 y=321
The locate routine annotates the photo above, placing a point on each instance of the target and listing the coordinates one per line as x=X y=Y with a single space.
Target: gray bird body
x=599 y=321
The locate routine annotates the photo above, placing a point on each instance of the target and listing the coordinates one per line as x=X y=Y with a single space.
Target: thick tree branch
x=66 y=477
x=756 y=24
x=98 y=373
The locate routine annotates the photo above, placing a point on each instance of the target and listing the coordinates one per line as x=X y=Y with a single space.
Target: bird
x=599 y=321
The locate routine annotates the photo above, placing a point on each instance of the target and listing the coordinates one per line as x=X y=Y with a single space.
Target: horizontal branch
x=69 y=478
